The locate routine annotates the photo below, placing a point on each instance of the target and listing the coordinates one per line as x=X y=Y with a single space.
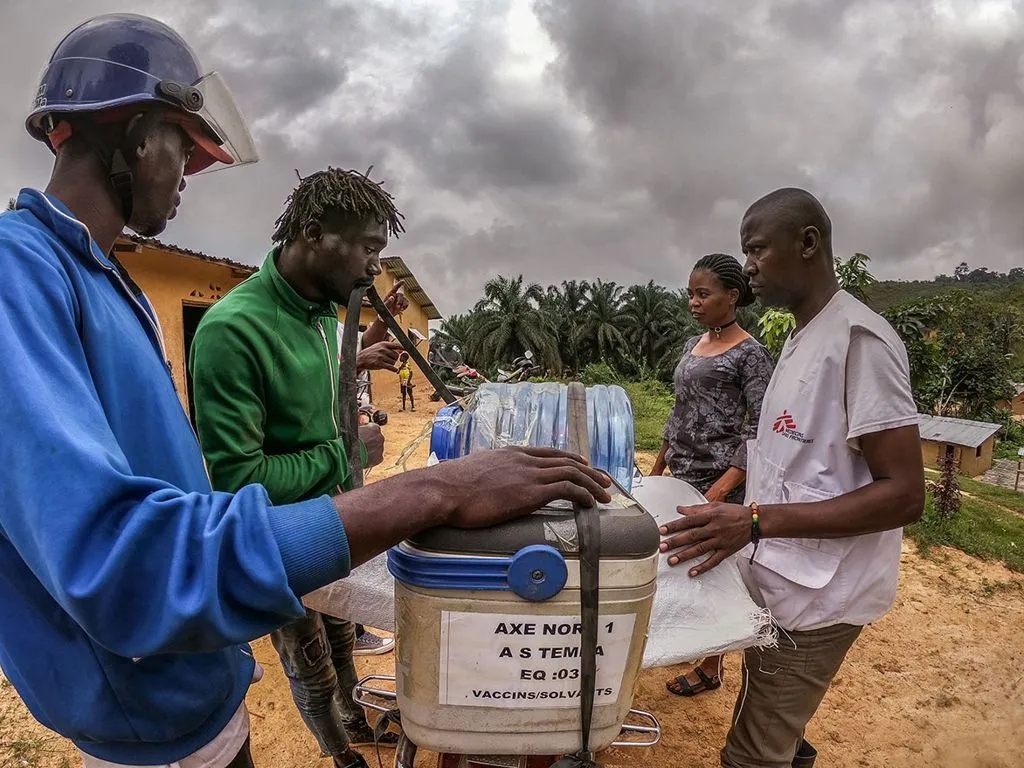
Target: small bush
x=600 y=373
x=946 y=490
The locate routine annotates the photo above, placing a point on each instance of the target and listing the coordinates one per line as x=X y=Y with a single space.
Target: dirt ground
x=938 y=682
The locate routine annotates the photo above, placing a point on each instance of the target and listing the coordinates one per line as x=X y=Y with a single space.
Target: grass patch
x=652 y=402
x=994 y=494
x=981 y=529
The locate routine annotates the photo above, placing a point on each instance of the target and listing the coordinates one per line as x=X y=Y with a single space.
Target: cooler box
x=488 y=627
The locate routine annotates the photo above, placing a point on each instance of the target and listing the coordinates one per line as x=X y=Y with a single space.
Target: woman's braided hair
x=347 y=194
x=730 y=273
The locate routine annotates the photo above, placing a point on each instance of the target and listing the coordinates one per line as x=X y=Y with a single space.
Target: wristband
x=755 y=528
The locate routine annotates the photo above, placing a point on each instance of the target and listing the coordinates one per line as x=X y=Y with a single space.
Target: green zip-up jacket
x=264 y=365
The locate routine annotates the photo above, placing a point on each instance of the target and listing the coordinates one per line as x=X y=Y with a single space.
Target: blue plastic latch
x=537 y=572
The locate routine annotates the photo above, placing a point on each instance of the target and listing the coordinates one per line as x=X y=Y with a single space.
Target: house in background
x=969 y=443
x=182 y=284
x=1014 y=405
x=384 y=387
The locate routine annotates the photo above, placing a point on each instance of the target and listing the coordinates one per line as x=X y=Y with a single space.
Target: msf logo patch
x=785 y=425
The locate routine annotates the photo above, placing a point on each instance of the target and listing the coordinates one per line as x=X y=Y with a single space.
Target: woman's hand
x=716 y=493
x=726 y=484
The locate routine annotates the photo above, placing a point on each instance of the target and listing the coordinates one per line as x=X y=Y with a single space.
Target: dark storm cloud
x=468 y=132
x=891 y=123
x=634 y=153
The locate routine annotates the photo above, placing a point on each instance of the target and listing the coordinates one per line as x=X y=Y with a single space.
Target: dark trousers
x=316 y=654
x=407 y=390
x=782 y=688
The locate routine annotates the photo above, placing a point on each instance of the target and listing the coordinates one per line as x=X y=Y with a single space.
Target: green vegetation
x=964 y=335
x=983 y=527
x=994 y=494
x=652 y=401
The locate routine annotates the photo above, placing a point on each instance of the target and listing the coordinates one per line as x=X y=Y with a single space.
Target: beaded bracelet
x=755 y=528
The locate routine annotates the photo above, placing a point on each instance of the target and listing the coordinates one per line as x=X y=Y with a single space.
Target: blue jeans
x=316 y=653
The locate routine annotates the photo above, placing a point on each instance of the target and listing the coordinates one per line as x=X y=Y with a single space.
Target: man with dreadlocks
x=265 y=365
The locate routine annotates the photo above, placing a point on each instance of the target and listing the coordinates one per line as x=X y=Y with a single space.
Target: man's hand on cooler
x=479 y=490
x=372 y=437
x=382 y=356
x=717 y=530
x=490 y=487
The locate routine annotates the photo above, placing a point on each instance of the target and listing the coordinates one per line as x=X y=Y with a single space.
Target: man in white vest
x=833 y=476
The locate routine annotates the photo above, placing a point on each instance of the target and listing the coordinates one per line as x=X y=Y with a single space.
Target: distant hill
x=991 y=292
x=1008 y=288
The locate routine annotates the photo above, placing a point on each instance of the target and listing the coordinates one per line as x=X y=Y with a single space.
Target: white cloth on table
x=691 y=617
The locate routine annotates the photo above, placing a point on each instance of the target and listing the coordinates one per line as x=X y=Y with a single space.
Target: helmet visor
x=229 y=142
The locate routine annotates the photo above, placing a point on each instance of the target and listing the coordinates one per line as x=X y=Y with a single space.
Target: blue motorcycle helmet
x=115 y=68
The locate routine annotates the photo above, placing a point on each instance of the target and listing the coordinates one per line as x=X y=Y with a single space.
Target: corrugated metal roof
x=943 y=429
x=397 y=267
x=152 y=242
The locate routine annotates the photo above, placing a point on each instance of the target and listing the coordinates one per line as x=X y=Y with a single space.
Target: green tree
x=455 y=333
x=775 y=326
x=959 y=351
x=647 y=318
x=854 y=276
x=564 y=305
x=508 y=321
x=680 y=327
x=603 y=324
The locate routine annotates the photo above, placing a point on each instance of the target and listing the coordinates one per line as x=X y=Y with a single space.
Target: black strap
x=116 y=156
x=348 y=387
x=410 y=347
x=385 y=721
x=588 y=526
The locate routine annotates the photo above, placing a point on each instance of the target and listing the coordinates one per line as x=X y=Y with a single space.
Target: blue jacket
x=128 y=589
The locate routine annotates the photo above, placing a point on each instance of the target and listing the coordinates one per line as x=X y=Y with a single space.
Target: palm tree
x=603 y=323
x=454 y=336
x=563 y=305
x=646 y=317
x=509 y=320
x=679 y=328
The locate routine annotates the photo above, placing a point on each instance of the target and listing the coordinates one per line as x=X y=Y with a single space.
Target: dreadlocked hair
x=730 y=273
x=348 y=194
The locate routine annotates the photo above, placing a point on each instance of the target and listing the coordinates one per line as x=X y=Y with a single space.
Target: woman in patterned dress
x=719 y=385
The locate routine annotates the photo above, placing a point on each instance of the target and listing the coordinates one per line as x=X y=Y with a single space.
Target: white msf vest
x=804 y=452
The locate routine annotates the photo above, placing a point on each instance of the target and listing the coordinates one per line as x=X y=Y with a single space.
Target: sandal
x=684 y=687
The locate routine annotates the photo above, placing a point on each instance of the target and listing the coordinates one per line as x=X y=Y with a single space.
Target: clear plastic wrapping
x=526 y=413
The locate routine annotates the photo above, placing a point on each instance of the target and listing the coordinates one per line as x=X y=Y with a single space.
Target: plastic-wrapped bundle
x=525 y=413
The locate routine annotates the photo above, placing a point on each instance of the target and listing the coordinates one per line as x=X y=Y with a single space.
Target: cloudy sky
x=619 y=139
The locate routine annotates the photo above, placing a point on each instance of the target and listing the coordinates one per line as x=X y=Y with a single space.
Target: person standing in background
x=405 y=380
x=719 y=385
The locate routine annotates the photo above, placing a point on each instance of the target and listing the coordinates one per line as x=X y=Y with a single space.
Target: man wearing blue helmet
x=128 y=589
